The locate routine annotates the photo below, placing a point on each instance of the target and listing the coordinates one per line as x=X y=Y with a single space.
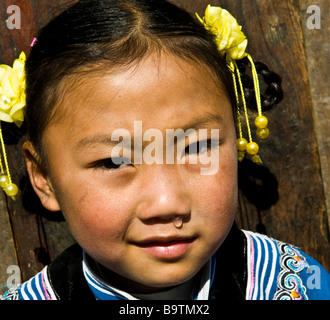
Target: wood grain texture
x=291 y=153
x=317 y=47
x=38 y=240
x=7 y=245
x=284 y=198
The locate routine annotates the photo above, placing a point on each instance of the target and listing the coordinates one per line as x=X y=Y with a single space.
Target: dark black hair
x=93 y=35
x=271 y=95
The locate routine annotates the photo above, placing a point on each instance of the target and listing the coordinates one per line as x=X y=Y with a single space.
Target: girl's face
x=124 y=216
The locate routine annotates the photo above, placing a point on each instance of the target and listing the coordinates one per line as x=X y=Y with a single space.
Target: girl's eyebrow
x=97 y=139
x=204 y=122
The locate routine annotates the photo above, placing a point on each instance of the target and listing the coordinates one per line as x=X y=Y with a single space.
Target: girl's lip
x=172 y=249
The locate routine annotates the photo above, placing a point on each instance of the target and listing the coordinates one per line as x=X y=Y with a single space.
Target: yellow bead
x=263 y=133
x=241 y=144
x=4 y=180
x=256 y=159
x=252 y=148
x=261 y=122
x=11 y=189
x=240 y=156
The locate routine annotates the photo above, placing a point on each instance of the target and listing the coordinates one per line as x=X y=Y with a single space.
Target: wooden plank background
x=287 y=197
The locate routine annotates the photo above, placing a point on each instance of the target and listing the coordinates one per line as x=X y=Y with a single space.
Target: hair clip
x=34 y=41
x=12 y=103
x=232 y=43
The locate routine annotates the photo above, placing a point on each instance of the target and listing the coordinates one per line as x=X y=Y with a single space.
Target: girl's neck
x=184 y=291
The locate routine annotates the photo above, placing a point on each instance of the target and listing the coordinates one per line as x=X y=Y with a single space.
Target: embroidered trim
x=47 y=287
x=289 y=284
x=11 y=294
x=250 y=266
x=37 y=288
x=262 y=258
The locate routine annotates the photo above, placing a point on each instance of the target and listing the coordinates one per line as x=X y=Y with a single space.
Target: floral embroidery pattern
x=290 y=286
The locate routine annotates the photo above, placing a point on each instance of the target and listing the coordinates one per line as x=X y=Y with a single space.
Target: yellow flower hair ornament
x=231 y=43
x=12 y=103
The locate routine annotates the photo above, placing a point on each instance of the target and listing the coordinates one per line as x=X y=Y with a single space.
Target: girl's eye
x=112 y=163
x=198 y=147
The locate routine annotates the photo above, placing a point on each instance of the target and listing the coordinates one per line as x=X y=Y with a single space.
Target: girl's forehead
x=157 y=89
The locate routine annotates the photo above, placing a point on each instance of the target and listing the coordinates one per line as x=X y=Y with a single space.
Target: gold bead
x=261 y=122
x=263 y=133
x=241 y=144
x=252 y=148
x=4 y=180
x=241 y=156
x=256 y=159
x=11 y=189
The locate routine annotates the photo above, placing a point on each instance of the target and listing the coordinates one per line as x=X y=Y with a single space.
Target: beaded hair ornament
x=232 y=43
x=12 y=103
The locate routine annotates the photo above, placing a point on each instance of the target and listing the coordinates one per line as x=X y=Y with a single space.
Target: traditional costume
x=248 y=266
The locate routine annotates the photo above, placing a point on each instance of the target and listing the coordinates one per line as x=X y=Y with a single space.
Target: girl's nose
x=164 y=195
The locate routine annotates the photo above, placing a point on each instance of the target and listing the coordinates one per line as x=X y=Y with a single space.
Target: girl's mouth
x=167 y=248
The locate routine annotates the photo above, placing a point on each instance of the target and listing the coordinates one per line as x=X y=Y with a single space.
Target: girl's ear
x=39 y=178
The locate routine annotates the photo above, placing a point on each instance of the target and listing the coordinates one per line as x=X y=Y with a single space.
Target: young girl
x=145 y=228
